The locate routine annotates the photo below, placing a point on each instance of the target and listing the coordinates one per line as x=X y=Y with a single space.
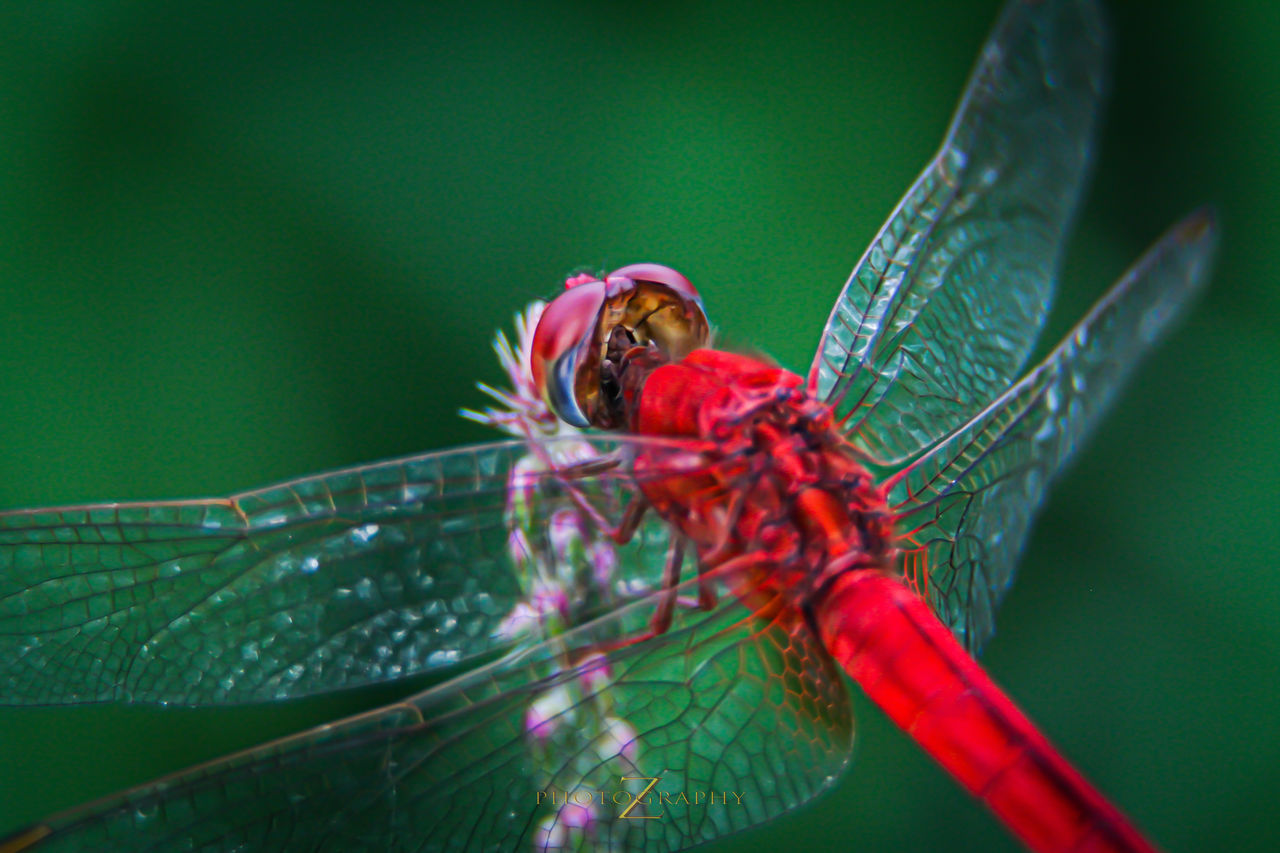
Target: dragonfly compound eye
x=594 y=333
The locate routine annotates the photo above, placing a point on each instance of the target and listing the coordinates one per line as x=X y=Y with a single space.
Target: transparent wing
x=324 y=582
x=738 y=717
x=942 y=311
x=966 y=506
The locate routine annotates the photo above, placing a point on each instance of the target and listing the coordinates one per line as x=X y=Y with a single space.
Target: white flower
x=551 y=834
x=521 y=621
x=544 y=612
x=566 y=534
x=567 y=829
x=520 y=411
x=576 y=816
x=604 y=563
x=547 y=713
x=619 y=740
x=594 y=673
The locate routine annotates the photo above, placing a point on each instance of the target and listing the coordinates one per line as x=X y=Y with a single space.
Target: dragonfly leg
x=663 y=614
x=631 y=518
x=720 y=550
x=661 y=620
x=627 y=526
x=621 y=533
x=707 y=597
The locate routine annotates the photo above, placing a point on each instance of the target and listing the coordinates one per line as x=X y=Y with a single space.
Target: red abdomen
x=889 y=641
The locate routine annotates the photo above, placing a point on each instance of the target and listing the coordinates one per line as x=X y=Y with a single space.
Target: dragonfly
x=640 y=605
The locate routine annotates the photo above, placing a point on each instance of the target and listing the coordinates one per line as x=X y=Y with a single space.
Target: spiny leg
x=661 y=619
x=625 y=530
x=632 y=515
x=707 y=597
x=719 y=551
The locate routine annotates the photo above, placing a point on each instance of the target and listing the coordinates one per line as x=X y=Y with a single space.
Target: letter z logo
x=626 y=813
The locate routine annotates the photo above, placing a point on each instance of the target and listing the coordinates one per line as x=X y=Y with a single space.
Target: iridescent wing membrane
x=321 y=583
x=434 y=558
x=942 y=311
x=724 y=704
x=966 y=506
x=940 y=314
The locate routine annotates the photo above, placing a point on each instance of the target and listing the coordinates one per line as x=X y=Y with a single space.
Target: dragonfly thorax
x=779 y=490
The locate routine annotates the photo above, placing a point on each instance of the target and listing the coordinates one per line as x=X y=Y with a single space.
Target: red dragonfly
x=641 y=634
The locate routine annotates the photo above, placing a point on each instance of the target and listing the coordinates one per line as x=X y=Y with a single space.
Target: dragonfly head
x=589 y=335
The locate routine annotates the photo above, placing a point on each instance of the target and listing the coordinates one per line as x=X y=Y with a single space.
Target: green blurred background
x=243 y=241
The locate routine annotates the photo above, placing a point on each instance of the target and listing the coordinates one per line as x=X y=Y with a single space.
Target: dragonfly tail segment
x=911 y=665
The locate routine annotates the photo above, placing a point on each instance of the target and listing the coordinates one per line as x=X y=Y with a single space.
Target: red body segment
x=889 y=641
x=785 y=498
x=688 y=398
x=777 y=486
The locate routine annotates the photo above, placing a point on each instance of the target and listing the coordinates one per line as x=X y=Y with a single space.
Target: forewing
x=739 y=718
x=942 y=311
x=326 y=582
x=965 y=507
